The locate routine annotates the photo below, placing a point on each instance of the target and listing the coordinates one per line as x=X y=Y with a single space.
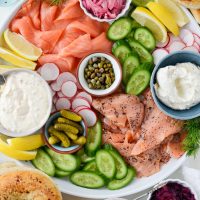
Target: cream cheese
x=24 y=102
x=178 y=86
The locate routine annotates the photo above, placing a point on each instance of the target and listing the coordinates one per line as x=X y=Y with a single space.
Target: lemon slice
x=26 y=143
x=16 y=154
x=21 y=46
x=176 y=12
x=10 y=57
x=164 y=15
x=146 y=18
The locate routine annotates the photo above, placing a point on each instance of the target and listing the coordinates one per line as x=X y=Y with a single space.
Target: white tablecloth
x=190 y=162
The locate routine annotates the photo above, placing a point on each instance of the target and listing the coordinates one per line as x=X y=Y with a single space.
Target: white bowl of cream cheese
x=26 y=103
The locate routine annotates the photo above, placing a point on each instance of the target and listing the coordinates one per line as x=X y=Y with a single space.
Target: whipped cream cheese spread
x=178 y=86
x=24 y=102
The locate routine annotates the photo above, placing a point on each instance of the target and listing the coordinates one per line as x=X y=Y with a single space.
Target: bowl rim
x=27 y=133
x=122 y=13
x=179 y=181
x=155 y=97
x=120 y=75
x=44 y=136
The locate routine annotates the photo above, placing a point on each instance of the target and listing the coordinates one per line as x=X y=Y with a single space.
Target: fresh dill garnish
x=56 y=2
x=191 y=143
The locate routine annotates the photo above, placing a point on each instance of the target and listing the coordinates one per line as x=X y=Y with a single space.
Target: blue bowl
x=173 y=59
x=55 y=147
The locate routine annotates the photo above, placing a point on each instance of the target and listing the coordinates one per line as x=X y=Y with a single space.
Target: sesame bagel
x=24 y=183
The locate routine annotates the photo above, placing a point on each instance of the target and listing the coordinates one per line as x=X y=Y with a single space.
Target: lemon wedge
x=10 y=57
x=176 y=11
x=164 y=15
x=16 y=154
x=146 y=18
x=26 y=143
x=21 y=46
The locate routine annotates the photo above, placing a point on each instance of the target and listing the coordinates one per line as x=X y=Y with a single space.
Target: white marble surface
x=190 y=162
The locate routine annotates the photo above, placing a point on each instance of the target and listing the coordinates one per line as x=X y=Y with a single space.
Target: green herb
x=192 y=141
x=56 y=2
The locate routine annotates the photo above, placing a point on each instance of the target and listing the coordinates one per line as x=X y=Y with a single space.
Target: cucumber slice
x=145 y=38
x=120 y=29
x=65 y=162
x=131 y=34
x=141 y=2
x=105 y=163
x=121 y=50
x=85 y=158
x=130 y=64
x=135 y=24
x=87 y=179
x=117 y=184
x=91 y=166
x=94 y=139
x=60 y=174
x=138 y=82
x=44 y=163
x=144 y=55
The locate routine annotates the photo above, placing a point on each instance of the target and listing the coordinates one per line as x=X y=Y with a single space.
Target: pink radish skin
x=79 y=102
x=86 y=96
x=54 y=86
x=187 y=37
x=172 y=39
x=53 y=109
x=53 y=93
x=162 y=45
x=55 y=99
x=69 y=89
x=89 y=116
x=176 y=46
x=196 y=46
x=49 y=72
x=39 y=70
x=64 y=77
x=192 y=48
x=60 y=94
x=79 y=108
x=196 y=38
x=159 y=54
x=63 y=103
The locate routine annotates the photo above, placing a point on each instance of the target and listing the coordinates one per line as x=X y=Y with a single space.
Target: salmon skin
x=64 y=33
x=143 y=135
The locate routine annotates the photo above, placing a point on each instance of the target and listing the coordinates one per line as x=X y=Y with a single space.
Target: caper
x=93 y=81
x=90 y=62
x=96 y=70
x=105 y=66
x=101 y=70
x=107 y=69
x=95 y=65
x=89 y=80
x=101 y=79
x=92 y=75
x=91 y=69
x=108 y=80
x=90 y=86
x=99 y=74
x=103 y=75
x=86 y=69
x=88 y=74
x=96 y=78
x=94 y=59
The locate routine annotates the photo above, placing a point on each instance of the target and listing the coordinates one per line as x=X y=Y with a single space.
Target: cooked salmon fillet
x=143 y=135
x=64 y=33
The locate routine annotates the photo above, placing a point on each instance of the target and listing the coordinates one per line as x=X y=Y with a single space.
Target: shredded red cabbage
x=104 y=9
x=173 y=191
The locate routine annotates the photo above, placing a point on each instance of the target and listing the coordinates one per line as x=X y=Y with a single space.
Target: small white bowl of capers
x=99 y=74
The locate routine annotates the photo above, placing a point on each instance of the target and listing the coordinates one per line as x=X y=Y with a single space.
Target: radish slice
x=69 y=89
x=64 y=77
x=79 y=108
x=187 y=37
x=53 y=109
x=193 y=49
x=63 y=103
x=196 y=38
x=176 y=46
x=39 y=70
x=55 y=99
x=54 y=86
x=53 y=93
x=79 y=102
x=196 y=46
x=49 y=72
x=86 y=96
x=60 y=94
x=162 y=45
x=159 y=54
x=89 y=116
x=172 y=39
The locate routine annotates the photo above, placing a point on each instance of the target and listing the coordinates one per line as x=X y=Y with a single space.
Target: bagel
x=193 y=4
x=25 y=183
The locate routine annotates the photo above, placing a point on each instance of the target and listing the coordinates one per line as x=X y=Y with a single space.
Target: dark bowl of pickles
x=99 y=74
x=65 y=132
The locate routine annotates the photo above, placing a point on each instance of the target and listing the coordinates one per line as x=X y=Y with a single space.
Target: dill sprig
x=191 y=143
x=56 y=2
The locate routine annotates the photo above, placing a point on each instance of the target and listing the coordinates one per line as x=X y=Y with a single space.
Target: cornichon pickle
x=62 y=120
x=61 y=136
x=53 y=140
x=81 y=140
x=71 y=135
x=70 y=115
x=66 y=128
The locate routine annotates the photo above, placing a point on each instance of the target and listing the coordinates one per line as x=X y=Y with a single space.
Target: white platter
x=6 y=14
